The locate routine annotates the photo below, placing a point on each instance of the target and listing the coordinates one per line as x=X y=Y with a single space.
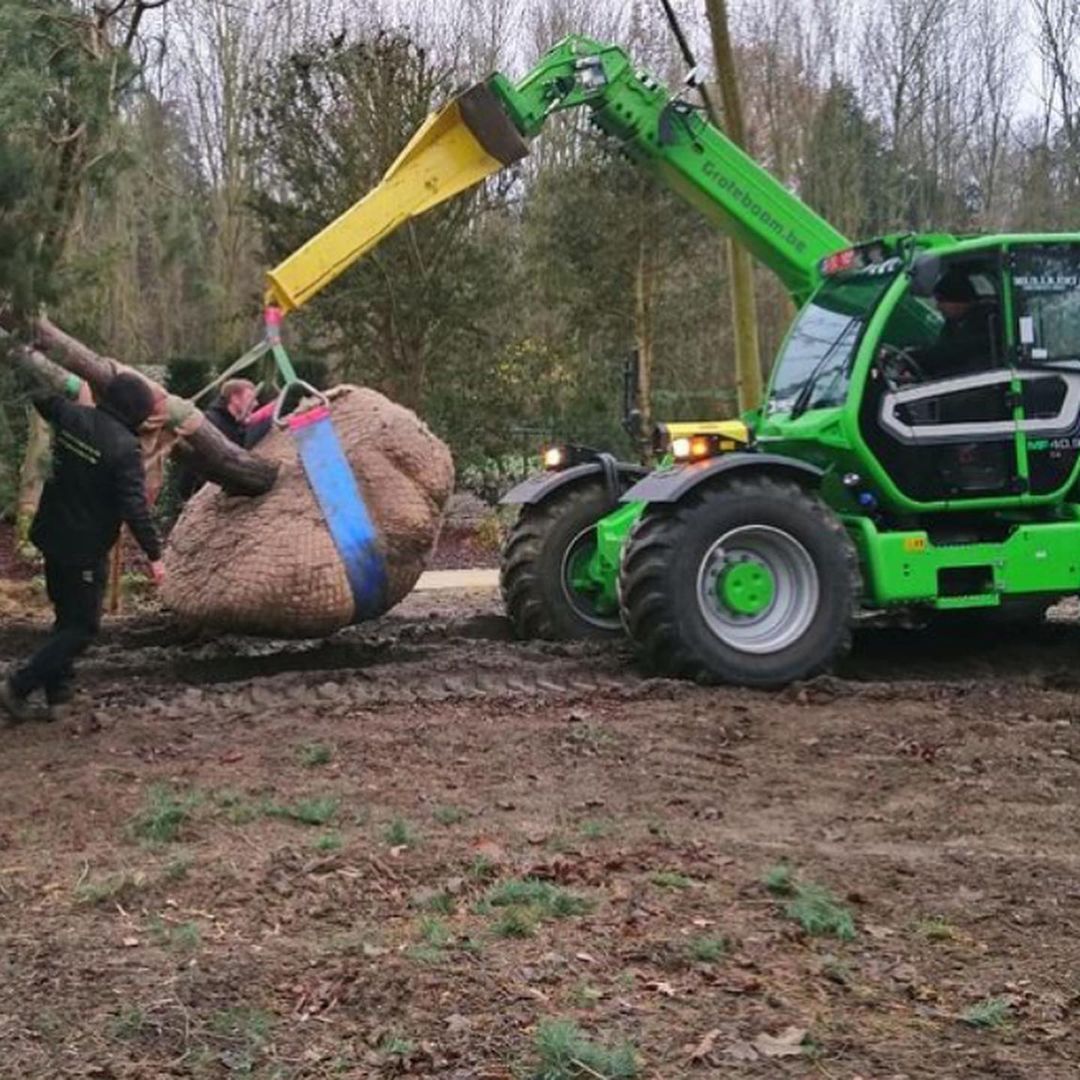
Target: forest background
x=156 y=156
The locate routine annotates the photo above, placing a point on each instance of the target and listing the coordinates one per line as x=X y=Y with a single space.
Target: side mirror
x=924 y=274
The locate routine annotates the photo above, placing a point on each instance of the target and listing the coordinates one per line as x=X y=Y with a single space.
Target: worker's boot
x=59 y=703
x=14 y=708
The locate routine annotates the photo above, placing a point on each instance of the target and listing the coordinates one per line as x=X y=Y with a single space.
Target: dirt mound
x=268 y=564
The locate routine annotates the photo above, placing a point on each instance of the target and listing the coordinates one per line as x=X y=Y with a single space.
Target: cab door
x=1045 y=302
x=950 y=434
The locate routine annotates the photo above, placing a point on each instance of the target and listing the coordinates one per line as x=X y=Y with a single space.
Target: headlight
x=697 y=440
x=680 y=448
x=694 y=447
x=554 y=457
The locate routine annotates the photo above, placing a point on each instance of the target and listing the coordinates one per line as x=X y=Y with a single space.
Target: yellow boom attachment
x=728 y=430
x=463 y=143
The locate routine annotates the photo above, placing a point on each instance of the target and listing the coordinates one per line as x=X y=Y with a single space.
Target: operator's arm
x=257 y=430
x=258 y=423
x=131 y=500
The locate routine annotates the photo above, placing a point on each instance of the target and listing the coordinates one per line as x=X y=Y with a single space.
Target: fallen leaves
x=705 y=1047
x=789 y=1043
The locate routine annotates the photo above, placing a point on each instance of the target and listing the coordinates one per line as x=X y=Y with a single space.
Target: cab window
x=1046 y=285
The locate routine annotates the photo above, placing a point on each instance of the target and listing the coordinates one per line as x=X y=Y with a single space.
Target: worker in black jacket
x=96 y=484
x=229 y=414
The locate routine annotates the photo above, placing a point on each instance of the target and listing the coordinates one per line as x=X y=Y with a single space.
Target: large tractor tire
x=541 y=559
x=754 y=582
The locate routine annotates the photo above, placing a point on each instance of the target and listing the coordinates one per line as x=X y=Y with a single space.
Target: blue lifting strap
x=332 y=480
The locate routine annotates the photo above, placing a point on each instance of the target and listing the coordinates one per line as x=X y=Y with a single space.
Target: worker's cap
x=956 y=286
x=129 y=398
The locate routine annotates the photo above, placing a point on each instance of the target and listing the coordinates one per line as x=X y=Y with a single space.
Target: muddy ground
x=400 y=851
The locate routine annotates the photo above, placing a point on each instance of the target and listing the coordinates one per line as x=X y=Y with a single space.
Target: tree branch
x=220 y=461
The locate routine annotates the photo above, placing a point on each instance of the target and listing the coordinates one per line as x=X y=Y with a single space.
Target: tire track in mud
x=404 y=663
x=453 y=655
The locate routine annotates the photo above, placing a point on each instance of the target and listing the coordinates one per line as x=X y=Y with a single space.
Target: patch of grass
x=399 y=833
x=435 y=936
x=129 y=1023
x=315 y=811
x=472 y=945
x=991 y=1013
x=176 y=869
x=443 y=903
x=670 y=879
x=330 y=841
x=482 y=869
x=935 y=930
x=707 y=950
x=314 y=754
x=238 y=809
x=564 y=1052
x=596 y=828
x=396 y=1046
x=780 y=880
x=515 y=922
x=50 y=1025
x=585 y=996
x=819 y=913
x=435 y=932
x=111 y=888
x=350 y=942
x=184 y=937
x=426 y=954
x=242 y=1024
x=589 y=737
x=547 y=900
x=163 y=816
x=812 y=906
x=449 y=815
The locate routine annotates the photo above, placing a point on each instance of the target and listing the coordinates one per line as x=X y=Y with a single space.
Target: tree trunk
x=740 y=268
x=199 y=442
x=31 y=475
x=644 y=324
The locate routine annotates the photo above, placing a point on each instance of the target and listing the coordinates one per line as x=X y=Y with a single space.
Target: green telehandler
x=917 y=447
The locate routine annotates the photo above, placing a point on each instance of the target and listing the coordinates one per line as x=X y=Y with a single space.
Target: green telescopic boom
x=484 y=130
x=670 y=138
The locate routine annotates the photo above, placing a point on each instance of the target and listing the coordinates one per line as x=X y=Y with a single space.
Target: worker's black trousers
x=77 y=594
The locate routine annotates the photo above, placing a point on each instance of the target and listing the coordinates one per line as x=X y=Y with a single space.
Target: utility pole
x=740 y=267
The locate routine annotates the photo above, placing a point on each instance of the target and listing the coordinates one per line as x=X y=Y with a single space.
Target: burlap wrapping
x=267 y=564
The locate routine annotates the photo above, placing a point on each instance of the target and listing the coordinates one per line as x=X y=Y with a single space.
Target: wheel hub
x=758 y=589
x=745 y=587
x=582 y=590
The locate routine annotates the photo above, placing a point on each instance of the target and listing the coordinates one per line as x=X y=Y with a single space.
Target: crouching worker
x=235 y=415
x=96 y=483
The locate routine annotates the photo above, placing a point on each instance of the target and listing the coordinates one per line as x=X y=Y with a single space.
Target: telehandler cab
x=911 y=452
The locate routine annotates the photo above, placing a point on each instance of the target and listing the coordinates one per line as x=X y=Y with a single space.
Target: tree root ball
x=267 y=564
